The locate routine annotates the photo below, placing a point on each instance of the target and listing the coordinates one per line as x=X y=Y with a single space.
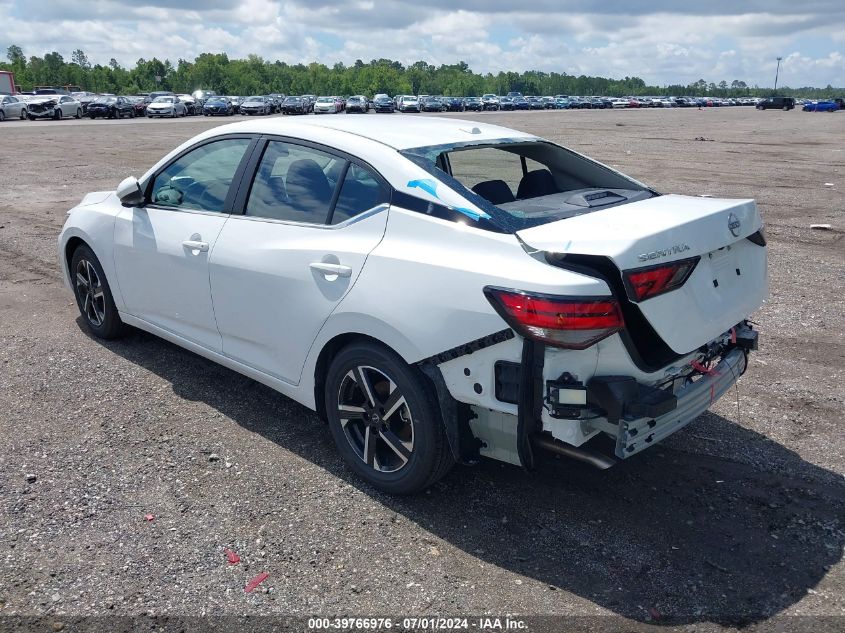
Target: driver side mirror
x=129 y=192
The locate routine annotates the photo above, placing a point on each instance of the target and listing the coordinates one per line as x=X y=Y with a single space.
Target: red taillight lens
x=645 y=283
x=570 y=322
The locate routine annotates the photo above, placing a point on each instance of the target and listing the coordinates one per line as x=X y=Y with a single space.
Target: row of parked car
x=57 y=104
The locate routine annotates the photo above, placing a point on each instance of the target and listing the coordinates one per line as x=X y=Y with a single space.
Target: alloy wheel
x=376 y=419
x=89 y=288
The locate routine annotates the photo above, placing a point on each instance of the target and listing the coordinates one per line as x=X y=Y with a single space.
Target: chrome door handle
x=196 y=245
x=332 y=269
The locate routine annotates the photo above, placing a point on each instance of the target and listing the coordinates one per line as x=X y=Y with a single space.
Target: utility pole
x=777 y=72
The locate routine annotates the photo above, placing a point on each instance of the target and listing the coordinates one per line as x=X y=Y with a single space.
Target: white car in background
x=437 y=289
x=12 y=107
x=409 y=103
x=166 y=106
x=53 y=107
x=325 y=105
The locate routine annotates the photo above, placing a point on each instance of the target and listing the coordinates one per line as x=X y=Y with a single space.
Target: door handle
x=332 y=269
x=196 y=245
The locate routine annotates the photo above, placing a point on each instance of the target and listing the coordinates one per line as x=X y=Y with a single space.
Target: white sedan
x=12 y=108
x=438 y=290
x=53 y=107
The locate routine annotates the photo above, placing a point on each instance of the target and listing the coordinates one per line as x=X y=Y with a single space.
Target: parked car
x=218 y=106
x=821 y=106
x=776 y=103
x=295 y=105
x=190 y=103
x=506 y=103
x=256 y=105
x=562 y=103
x=453 y=104
x=111 y=108
x=12 y=107
x=139 y=104
x=383 y=103
x=277 y=99
x=490 y=101
x=535 y=103
x=166 y=106
x=409 y=103
x=200 y=97
x=326 y=105
x=85 y=99
x=56 y=106
x=520 y=103
x=431 y=104
x=473 y=103
x=515 y=322
x=358 y=103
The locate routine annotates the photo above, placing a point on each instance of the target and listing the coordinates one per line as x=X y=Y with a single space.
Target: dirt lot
x=736 y=519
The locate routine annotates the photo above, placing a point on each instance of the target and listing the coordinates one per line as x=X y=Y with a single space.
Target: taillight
x=648 y=282
x=570 y=322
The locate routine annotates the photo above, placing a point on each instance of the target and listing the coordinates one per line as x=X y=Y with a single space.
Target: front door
x=162 y=250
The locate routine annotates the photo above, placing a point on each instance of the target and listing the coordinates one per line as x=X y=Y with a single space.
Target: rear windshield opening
x=526 y=183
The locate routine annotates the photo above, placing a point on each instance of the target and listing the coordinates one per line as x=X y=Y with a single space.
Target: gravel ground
x=735 y=520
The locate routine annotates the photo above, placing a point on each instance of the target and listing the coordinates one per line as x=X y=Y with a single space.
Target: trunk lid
x=728 y=283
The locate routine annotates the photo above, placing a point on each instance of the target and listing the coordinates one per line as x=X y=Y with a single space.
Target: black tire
x=57 y=114
x=98 y=312
x=23 y=115
x=2 y=115
x=392 y=467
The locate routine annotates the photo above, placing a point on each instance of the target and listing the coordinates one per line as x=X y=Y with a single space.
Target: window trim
x=251 y=170
x=234 y=187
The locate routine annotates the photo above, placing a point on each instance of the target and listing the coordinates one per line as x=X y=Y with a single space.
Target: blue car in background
x=821 y=106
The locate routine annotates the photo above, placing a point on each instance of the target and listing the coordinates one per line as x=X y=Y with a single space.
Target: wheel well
x=70 y=248
x=329 y=351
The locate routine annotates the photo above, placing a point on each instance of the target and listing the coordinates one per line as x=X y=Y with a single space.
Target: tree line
x=255 y=75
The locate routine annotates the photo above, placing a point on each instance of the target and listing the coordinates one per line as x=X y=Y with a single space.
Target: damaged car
x=53 y=107
x=522 y=301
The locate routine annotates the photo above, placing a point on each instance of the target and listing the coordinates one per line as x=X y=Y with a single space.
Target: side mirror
x=129 y=192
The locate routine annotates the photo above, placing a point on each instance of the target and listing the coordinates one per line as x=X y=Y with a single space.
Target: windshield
x=325 y=100
x=216 y=100
x=163 y=100
x=521 y=183
x=105 y=100
x=254 y=99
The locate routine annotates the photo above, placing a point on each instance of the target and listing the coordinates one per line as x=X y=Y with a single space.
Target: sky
x=661 y=41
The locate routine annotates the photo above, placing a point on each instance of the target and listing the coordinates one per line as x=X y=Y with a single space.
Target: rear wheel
x=57 y=114
x=385 y=420
x=2 y=115
x=93 y=295
x=23 y=115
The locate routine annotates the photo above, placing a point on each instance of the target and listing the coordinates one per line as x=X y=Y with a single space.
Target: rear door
x=309 y=219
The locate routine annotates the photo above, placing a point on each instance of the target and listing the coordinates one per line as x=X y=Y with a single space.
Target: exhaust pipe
x=594 y=458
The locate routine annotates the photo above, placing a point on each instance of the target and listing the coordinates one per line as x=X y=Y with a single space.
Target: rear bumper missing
x=693 y=399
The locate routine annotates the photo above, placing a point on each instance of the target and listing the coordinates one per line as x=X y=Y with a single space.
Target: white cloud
x=662 y=41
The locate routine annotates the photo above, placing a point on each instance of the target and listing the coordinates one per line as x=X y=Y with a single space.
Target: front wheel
x=93 y=295
x=57 y=114
x=385 y=420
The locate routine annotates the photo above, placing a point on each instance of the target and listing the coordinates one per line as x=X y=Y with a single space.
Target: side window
x=201 y=178
x=294 y=183
x=361 y=192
